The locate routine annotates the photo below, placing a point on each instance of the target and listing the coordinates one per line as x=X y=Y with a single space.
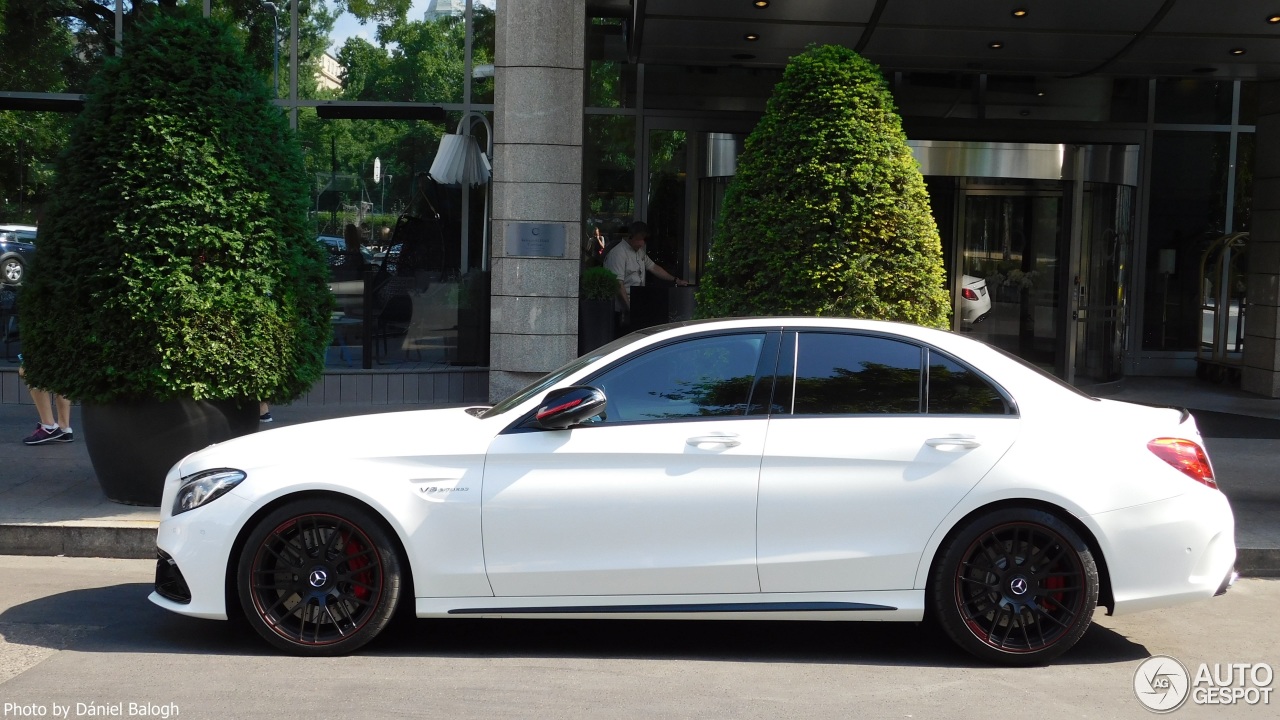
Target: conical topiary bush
x=828 y=213
x=176 y=282
x=175 y=258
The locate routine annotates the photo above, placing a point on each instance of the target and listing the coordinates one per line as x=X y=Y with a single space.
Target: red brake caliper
x=353 y=548
x=1054 y=582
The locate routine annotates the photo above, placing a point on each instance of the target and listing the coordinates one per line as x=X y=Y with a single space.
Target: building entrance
x=1037 y=243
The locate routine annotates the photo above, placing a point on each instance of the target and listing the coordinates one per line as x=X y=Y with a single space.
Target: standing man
x=629 y=262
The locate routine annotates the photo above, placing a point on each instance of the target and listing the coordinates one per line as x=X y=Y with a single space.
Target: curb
x=106 y=541
x=139 y=543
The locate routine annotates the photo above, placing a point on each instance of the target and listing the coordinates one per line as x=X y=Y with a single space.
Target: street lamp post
x=275 y=44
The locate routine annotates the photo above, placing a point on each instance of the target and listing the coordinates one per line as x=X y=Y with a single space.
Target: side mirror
x=569 y=406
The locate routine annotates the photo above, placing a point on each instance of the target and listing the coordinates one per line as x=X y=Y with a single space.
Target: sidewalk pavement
x=50 y=503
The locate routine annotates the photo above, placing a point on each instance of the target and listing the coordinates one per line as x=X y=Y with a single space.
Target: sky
x=347 y=25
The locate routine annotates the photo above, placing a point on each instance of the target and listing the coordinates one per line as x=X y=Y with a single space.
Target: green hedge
x=176 y=257
x=828 y=213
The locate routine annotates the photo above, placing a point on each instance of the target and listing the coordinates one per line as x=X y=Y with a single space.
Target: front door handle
x=953 y=444
x=728 y=440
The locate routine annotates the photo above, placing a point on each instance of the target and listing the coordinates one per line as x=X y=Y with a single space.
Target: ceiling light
x=1273 y=19
x=995 y=45
x=1237 y=51
x=751 y=37
x=1040 y=94
x=1019 y=12
x=762 y=4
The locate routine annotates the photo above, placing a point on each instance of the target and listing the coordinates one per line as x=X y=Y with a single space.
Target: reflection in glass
x=1102 y=281
x=1013 y=242
x=856 y=374
x=957 y=390
x=1187 y=211
x=668 y=173
x=704 y=377
x=1193 y=100
x=32 y=140
x=608 y=178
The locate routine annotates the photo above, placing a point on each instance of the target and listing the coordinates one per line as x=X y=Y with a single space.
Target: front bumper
x=198 y=547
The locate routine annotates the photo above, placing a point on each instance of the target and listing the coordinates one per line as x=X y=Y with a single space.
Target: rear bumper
x=1169 y=552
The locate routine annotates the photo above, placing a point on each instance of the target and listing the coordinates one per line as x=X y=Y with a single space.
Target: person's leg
x=44 y=407
x=47 y=430
x=44 y=404
x=63 y=406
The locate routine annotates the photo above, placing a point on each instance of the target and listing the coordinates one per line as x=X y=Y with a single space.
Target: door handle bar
x=725 y=440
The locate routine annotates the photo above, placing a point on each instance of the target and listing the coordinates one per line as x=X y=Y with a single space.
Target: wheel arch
x=1105 y=597
x=237 y=547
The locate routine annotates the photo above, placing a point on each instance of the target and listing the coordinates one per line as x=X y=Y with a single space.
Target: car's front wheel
x=1015 y=586
x=11 y=271
x=319 y=577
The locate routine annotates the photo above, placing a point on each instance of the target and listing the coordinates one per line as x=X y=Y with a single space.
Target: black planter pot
x=595 y=324
x=132 y=445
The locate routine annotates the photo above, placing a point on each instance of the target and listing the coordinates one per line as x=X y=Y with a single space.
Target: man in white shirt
x=629 y=262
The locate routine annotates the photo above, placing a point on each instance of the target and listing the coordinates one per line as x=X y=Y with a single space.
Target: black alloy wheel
x=1016 y=587
x=319 y=577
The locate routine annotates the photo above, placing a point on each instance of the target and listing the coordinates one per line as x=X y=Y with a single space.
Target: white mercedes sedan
x=767 y=468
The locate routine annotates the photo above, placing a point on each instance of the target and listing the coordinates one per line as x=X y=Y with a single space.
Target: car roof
x=18 y=228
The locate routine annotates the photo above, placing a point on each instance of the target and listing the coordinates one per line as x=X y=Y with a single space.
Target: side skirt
x=906 y=606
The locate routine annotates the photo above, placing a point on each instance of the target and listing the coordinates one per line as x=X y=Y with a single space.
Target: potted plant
x=828 y=213
x=177 y=283
x=599 y=287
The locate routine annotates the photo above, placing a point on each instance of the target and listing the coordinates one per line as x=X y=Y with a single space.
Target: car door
x=883 y=438
x=656 y=498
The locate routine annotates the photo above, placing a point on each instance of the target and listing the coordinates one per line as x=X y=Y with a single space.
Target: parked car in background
x=767 y=468
x=17 y=247
x=346 y=285
x=975 y=303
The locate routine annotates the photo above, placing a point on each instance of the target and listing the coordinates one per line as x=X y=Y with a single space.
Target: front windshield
x=541 y=384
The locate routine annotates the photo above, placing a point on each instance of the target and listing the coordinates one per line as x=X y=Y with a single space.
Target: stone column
x=1261 y=373
x=537 y=178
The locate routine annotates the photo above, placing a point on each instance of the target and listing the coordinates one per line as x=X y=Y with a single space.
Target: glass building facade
x=1094 y=274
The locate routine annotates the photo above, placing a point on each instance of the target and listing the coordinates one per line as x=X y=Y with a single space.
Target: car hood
x=450 y=431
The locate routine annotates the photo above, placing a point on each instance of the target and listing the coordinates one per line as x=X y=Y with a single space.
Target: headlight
x=205 y=487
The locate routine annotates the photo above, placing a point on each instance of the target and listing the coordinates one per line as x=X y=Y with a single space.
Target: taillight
x=1185 y=456
x=969 y=294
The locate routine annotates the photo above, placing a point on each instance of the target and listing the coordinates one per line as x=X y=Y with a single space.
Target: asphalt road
x=78 y=635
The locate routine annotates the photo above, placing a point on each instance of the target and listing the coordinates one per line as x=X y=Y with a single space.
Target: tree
x=828 y=213
x=175 y=258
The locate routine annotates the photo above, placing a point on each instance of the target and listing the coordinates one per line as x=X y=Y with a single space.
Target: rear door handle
x=953 y=444
x=727 y=440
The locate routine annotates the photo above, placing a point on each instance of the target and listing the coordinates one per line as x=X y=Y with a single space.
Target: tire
x=319 y=577
x=11 y=271
x=1015 y=587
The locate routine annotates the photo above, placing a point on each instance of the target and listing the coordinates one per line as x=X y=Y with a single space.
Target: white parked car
x=975 y=302
x=768 y=468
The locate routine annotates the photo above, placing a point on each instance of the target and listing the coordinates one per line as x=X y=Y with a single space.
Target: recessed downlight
x=751 y=37
x=995 y=44
x=1019 y=12
x=1273 y=19
x=762 y=4
x=1237 y=51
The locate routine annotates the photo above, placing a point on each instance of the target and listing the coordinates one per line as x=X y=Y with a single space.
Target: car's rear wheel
x=1015 y=586
x=319 y=577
